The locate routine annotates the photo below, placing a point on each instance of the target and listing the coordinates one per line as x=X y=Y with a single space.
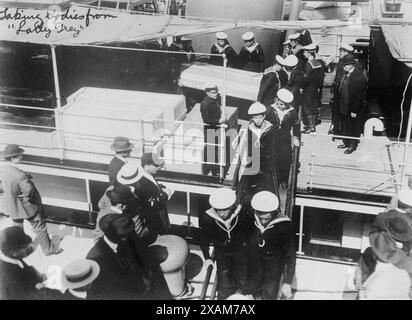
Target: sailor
x=284 y=118
x=294 y=83
x=320 y=92
x=122 y=148
x=22 y=201
x=296 y=48
x=259 y=157
x=153 y=196
x=312 y=82
x=351 y=103
x=344 y=50
x=188 y=48
x=251 y=57
x=273 y=79
x=272 y=249
x=227 y=227
x=223 y=47
x=213 y=117
x=78 y=277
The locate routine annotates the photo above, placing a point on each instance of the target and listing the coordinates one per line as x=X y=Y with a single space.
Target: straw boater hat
x=265 y=201
x=121 y=144
x=256 y=108
x=129 y=173
x=222 y=198
x=80 y=273
x=11 y=150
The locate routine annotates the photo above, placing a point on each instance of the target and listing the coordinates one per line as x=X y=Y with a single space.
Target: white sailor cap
x=211 y=86
x=345 y=46
x=286 y=42
x=405 y=197
x=184 y=38
x=256 y=108
x=280 y=60
x=221 y=35
x=247 y=36
x=291 y=60
x=222 y=198
x=310 y=47
x=285 y=95
x=265 y=201
x=294 y=36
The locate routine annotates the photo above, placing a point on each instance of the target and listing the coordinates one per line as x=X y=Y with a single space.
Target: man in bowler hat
x=122 y=148
x=22 y=201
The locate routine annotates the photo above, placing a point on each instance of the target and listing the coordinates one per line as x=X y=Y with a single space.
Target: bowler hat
x=383 y=246
x=120 y=194
x=222 y=198
x=129 y=173
x=11 y=150
x=148 y=159
x=121 y=144
x=80 y=273
x=397 y=225
x=348 y=59
x=13 y=237
x=115 y=225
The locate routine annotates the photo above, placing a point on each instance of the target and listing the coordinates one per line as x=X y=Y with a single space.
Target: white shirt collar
x=121 y=158
x=112 y=245
x=116 y=209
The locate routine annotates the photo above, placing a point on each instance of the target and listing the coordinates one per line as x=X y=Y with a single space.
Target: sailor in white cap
x=295 y=43
x=272 y=248
x=273 y=79
x=284 y=118
x=213 y=117
x=228 y=228
x=259 y=159
x=223 y=48
x=337 y=121
x=312 y=82
x=251 y=57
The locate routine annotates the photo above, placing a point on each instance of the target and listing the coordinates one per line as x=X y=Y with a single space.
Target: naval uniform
x=252 y=58
x=272 y=254
x=231 y=55
x=294 y=84
x=311 y=83
x=270 y=83
x=283 y=121
x=230 y=239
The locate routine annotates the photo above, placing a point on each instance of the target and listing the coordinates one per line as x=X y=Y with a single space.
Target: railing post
x=89 y=201
x=302 y=209
x=312 y=165
x=222 y=158
x=188 y=232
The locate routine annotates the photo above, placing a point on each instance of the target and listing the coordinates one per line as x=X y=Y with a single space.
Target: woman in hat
x=272 y=249
x=228 y=227
x=312 y=82
x=260 y=153
x=284 y=118
x=223 y=48
x=22 y=201
x=273 y=79
x=251 y=56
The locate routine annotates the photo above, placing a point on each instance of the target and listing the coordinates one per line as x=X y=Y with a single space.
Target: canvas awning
x=398 y=38
x=89 y=25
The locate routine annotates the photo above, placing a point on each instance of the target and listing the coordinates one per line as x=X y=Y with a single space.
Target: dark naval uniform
x=294 y=85
x=272 y=254
x=230 y=239
x=231 y=55
x=312 y=82
x=283 y=121
x=252 y=59
x=270 y=83
x=211 y=113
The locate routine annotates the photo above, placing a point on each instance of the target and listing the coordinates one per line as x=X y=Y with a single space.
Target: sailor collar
x=271 y=224
x=221 y=49
x=252 y=47
x=225 y=225
x=259 y=131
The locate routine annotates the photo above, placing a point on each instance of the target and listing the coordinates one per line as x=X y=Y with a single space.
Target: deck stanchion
x=302 y=209
x=222 y=160
x=188 y=231
x=312 y=155
x=58 y=110
x=89 y=201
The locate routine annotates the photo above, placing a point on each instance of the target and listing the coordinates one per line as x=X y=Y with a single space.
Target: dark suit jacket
x=210 y=110
x=114 y=167
x=356 y=89
x=120 y=275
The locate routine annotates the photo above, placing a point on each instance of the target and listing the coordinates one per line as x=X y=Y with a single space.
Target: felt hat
x=256 y=108
x=13 y=237
x=348 y=59
x=285 y=95
x=120 y=194
x=247 y=36
x=80 y=273
x=383 y=245
x=11 y=150
x=115 y=225
x=265 y=201
x=222 y=198
x=121 y=144
x=129 y=173
x=398 y=225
